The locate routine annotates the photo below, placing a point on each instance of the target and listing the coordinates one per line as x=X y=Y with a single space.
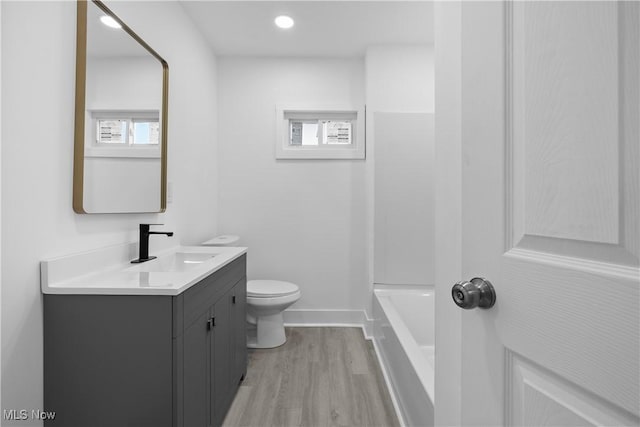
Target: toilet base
x=269 y=332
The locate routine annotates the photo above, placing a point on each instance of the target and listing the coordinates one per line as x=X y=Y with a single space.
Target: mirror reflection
x=121 y=144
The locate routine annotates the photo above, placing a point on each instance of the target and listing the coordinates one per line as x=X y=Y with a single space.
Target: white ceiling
x=322 y=28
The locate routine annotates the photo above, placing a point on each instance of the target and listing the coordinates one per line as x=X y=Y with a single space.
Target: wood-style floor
x=320 y=377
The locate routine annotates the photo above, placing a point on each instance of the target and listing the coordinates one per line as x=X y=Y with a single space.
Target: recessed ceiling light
x=110 y=22
x=284 y=21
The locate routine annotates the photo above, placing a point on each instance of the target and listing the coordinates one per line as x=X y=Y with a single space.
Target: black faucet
x=144 y=242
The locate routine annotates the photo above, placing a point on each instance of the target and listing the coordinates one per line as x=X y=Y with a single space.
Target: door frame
x=448 y=209
x=0 y=203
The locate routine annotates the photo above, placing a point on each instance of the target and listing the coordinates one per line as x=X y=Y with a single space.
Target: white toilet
x=266 y=300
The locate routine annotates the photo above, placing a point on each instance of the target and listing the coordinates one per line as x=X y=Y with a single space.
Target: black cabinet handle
x=211 y=323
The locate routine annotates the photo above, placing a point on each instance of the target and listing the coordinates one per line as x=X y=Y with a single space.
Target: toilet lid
x=270 y=288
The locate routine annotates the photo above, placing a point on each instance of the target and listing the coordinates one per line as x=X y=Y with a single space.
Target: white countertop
x=108 y=271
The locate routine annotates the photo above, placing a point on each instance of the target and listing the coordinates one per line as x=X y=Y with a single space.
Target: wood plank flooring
x=320 y=377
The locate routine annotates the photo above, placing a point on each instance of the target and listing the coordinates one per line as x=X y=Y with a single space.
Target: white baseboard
x=367 y=327
x=335 y=318
x=309 y=318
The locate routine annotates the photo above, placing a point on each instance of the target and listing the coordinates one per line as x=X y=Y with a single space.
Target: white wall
x=38 y=72
x=304 y=221
x=400 y=80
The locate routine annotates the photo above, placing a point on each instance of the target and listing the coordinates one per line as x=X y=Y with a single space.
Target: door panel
x=582 y=325
x=541 y=398
x=563 y=67
x=550 y=196
x=572 y=91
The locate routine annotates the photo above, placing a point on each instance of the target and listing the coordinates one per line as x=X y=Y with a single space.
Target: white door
x=550 y=209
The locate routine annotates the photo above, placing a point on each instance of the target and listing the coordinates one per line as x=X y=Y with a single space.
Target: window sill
x=124 y=152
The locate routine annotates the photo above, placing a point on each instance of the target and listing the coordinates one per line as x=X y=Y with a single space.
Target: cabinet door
x=221 y=393
x=239 y=316
x=196 y=373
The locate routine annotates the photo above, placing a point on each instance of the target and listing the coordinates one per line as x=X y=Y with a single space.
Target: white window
x=336 y=132
x=320 y=133
x=126 y=128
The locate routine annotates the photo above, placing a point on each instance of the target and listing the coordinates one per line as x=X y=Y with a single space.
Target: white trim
x=448 y=211
x=367 y=328
x=0 y=206
x=624 y=272
x=356 y=150
x=150 y=151
x=313 y=318
x=330 y=318
x=124 y=114
x=387 y=380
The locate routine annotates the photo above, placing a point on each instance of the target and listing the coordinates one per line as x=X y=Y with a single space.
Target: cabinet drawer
x=200 y=297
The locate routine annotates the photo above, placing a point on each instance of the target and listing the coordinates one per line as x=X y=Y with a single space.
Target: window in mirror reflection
x=145 y=132
x=124 y=129
x=111 y=131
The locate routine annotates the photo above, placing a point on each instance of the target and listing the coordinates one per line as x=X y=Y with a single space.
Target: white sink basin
x=176 y=262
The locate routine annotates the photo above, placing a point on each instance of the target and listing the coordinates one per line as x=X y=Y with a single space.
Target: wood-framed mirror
x=120 y=141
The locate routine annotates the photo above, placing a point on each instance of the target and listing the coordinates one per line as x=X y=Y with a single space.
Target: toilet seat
x=270 y=288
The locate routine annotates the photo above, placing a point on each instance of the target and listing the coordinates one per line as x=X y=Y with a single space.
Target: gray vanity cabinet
x=222 y=352
x=239 y=331
x=210 y=374
x=197 y=390
x=147 y=360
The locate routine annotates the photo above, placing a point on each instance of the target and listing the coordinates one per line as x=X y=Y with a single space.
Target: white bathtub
x=404 y=338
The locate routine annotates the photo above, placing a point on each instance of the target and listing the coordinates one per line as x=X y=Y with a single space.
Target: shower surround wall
x=38 y=83
x=400 y=141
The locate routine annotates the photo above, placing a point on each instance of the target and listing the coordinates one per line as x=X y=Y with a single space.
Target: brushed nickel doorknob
x=477 y=292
